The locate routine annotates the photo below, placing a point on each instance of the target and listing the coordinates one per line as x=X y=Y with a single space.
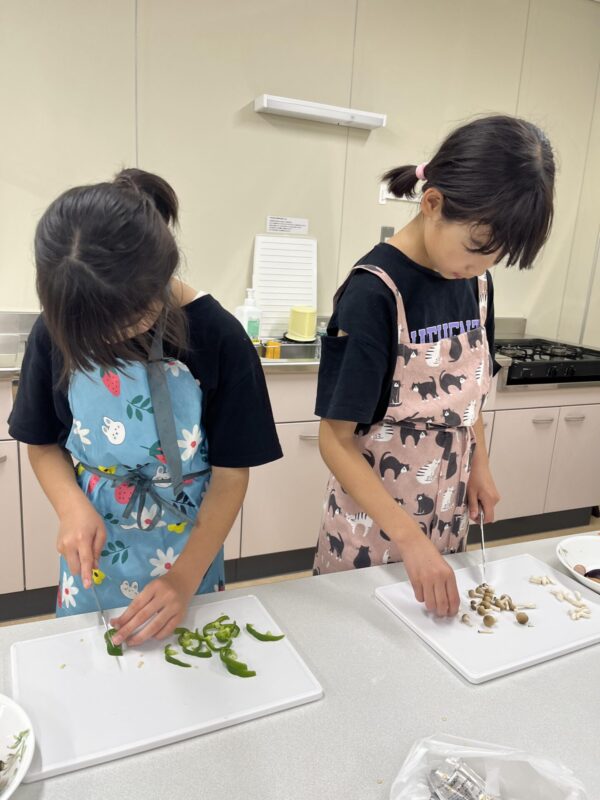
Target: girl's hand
x=432 y=579
x=81 y=537
x=162 y=604
x=481 y=490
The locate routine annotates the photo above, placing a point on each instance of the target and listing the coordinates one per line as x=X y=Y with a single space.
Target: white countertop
x=383 y=690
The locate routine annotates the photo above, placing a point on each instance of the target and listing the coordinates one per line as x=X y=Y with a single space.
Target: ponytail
x=402 y=181
x=153 y=187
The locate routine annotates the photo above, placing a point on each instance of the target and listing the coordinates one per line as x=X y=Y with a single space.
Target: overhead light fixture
x=319 y=112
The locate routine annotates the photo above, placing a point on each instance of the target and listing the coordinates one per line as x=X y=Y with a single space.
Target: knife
x=483 y=558
x=101 y=612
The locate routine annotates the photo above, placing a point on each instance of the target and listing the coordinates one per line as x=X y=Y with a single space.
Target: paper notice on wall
x=287 y=225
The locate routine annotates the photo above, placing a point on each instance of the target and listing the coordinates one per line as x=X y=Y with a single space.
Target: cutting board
x=511 y=647
x=87 y=709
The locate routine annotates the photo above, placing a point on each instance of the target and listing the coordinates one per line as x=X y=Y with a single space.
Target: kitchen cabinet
x=520 y=459
x=575 y=472
x=284 y=503
x=488 y=428
x=40 y=529
x=11 y=562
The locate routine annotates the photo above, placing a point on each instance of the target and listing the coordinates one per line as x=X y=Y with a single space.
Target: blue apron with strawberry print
x=123 y=470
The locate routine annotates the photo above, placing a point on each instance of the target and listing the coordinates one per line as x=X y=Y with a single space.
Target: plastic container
x=302 y=324
x=249 y=315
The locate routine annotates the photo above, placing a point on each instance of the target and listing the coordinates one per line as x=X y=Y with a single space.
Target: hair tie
x=420 y=171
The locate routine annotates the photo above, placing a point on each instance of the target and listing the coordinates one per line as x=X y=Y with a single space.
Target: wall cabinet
x=11 y=560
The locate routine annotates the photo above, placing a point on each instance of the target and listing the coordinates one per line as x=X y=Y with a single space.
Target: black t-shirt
x=236 y=411
x=356 y=371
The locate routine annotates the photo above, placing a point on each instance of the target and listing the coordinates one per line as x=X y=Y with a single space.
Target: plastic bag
x=507 y=774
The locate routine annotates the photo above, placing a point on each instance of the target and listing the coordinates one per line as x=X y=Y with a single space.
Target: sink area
x=290 y=351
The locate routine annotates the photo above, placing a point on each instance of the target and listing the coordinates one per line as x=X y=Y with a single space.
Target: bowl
x=17 y=743
x=582 y=551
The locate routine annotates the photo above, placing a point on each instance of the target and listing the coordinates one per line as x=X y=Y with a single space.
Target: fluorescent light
x=319 y=112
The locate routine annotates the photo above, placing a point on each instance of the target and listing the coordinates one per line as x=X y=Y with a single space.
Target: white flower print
x=175 y=367
x=190 y=442
x=81 y=432
x=163 y=562
x=148 y=515
x=68 y=591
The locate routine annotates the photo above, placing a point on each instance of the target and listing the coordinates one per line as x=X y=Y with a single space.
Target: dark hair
x=496 y=171
x=104 y=257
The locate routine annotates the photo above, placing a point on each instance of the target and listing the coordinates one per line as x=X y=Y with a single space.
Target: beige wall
x=68 y=92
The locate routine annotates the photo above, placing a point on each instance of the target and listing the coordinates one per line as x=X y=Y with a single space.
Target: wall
x=88 y=87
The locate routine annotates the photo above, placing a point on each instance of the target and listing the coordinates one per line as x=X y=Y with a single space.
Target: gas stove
x=540 y=361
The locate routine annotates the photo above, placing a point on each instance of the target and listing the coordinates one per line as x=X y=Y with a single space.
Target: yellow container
x=273 y=349
x=303 y=324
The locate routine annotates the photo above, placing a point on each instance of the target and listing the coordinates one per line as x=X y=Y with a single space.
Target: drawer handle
x=309 y=437
x=575 y=419
x=3 y=459
x=543 y=420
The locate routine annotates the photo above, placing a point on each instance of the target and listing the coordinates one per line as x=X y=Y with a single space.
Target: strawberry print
x=123 y=493
x=156 y=452
x=112 y=381
x=93 y=483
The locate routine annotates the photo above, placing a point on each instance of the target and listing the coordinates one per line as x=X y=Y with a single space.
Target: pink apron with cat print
x=421 y=450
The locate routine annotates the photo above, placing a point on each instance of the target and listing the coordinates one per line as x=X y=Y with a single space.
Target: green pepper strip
x=235 y=667
x=112 y=649
x=263 y=637
x=170 y=654
x=214 y=647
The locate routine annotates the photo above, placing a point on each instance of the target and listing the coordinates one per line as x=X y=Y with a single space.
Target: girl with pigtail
x=409 y=357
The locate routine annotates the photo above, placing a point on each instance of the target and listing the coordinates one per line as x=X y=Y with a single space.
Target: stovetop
x=543 y=361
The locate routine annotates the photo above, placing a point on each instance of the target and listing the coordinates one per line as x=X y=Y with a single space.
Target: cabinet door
x=284 y=503
x=40 y=529
x=520 y=459
x=11 y=563
x=234 y=539
x=575 y=472
x=488 y=427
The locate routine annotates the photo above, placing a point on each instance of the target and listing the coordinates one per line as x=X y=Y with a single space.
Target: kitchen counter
x=383 y=690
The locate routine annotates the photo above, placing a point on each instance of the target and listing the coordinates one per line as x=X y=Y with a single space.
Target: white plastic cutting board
x=90 y=711
x=511 y=647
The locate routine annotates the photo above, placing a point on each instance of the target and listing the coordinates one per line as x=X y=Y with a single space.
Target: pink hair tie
x=420 y=171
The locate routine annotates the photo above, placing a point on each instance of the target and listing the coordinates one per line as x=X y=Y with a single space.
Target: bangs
x=516 y=229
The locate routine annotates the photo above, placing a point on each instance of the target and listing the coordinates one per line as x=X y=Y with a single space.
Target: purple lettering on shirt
x=431 y=331
x=422 y=334
x=445 y=326
x=452 y=326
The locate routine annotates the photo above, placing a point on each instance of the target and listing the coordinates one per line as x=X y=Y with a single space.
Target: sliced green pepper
x=111 y=648
x=170 y=656
x=235 y=667
x=216 y=647
x=263 y=637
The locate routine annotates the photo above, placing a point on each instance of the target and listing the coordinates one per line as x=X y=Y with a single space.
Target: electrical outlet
x=386 y=232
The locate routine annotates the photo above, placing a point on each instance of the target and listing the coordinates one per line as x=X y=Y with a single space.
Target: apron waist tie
x=144 y=487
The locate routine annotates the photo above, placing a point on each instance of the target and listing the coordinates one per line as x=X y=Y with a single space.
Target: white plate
x=583 y=550
x=16 y=731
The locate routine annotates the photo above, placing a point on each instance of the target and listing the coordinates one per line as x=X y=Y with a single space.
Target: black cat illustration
x=455 y=351
x=369 y=458
x=452 y=419
x=443 y=527
x=460 y=495
x=384 y=535
x=316 y=571
x=452 y=466
x=475 y=338
x=424 y=528
x=456 y=524
x=426 y=388
x=447 y=380
x=336 y=545
x=388 y=461
x=333 y=506
x=395 y=394
x=411 y=433
x=399 y=500
x=363 y=559
x=406 y=352
x=443 y=439
x=433 y=523
x=425 y=504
